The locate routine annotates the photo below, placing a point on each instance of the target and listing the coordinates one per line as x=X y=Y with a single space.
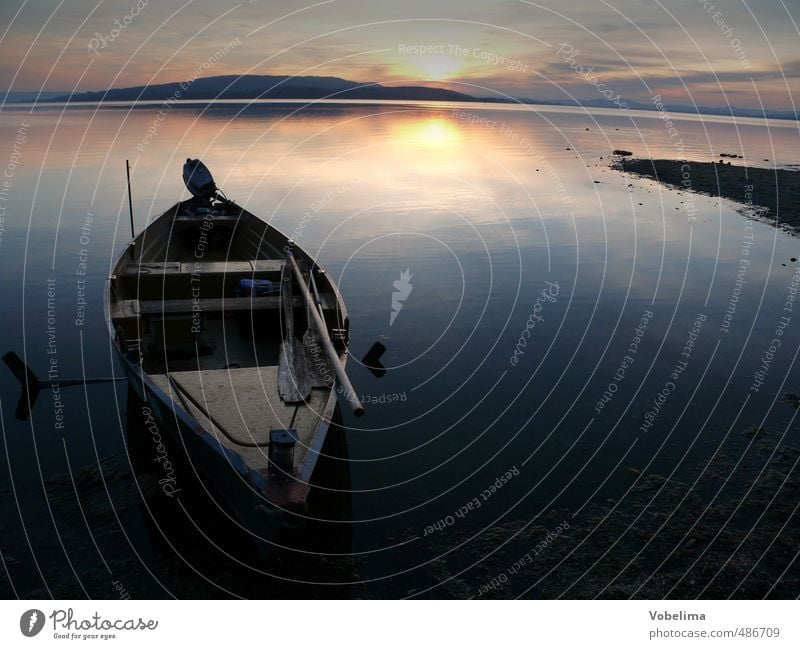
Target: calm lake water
x=540 y=280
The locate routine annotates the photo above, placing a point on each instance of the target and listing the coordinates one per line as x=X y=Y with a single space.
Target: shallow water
x=485 y=207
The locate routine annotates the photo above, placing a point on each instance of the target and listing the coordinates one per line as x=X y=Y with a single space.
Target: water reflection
x=482 y=215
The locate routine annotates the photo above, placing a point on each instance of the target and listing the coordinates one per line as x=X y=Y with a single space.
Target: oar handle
x=344 y=381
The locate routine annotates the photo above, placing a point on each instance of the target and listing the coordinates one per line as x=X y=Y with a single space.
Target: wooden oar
x=32 y=385
x=333 y=358
x=317 y=363
x=317 y=301
x=294 y=381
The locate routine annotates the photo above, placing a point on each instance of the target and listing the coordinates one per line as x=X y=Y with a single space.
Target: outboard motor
x=198 y=179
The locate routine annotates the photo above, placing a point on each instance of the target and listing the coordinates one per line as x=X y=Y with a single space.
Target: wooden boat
x=236 y=341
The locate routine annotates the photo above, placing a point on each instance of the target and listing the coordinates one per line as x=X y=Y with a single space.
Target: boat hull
x=263 y=506
x=239 y=492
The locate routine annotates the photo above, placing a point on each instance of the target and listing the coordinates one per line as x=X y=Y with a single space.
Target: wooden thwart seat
x=202 y=268
x=134 y=308
x=185 y=279
x=199 y=218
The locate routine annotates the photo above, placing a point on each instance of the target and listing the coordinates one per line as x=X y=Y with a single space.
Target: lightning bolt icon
x=32 y=621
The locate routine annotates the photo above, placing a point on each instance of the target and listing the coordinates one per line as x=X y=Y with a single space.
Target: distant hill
x=26 y=96
x=266 y=87
x=253 y=86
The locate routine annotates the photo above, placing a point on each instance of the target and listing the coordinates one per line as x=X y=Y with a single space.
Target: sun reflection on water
x=434 y=132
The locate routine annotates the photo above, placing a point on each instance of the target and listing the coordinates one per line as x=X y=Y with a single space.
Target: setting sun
x=437 y=67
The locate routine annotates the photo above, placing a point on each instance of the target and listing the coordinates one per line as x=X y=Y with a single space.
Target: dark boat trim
x=268 y=496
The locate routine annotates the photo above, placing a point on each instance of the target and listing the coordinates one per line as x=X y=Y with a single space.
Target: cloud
x=632 y=44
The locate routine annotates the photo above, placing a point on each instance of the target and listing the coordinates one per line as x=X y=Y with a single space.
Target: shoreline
x=760 y=191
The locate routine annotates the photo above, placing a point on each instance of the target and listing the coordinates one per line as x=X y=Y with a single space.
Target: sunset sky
x=742 y=53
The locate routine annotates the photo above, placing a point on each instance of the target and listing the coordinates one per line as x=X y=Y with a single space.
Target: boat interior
x=207 y=302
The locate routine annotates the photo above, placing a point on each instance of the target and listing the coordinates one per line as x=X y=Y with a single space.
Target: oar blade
x=28 y=381
x=18 y=368
x=372 y=359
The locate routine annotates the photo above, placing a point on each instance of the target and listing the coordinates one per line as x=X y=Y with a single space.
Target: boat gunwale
x=303 y=470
